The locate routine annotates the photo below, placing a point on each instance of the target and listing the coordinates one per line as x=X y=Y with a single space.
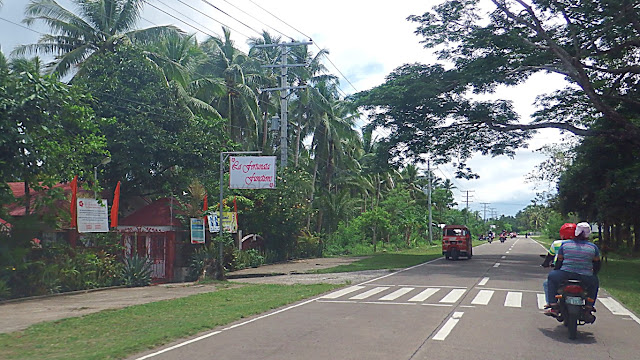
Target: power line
x=224 y=12
x=258 y=20
x=282 y=21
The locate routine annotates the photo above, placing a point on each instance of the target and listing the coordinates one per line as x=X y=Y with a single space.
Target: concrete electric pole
x=284 y=92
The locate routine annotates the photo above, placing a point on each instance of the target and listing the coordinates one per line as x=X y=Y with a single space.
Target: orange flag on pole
x=74 y=200
x=115 y=206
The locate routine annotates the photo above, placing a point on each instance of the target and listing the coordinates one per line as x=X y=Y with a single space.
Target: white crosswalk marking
x=513 y=299
x=337 y=294
x=425 y=294
x=541 y=301
x=368 y=293
x=453 y=296
x=615 y=307
x=396 y=294
x=483 y=297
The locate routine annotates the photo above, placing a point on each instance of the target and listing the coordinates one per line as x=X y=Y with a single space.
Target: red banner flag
x=205 y=207
x=74 y=200
x=115 y=206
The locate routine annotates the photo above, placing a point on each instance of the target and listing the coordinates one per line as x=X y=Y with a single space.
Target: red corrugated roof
x=18 y=208
x=158 y=213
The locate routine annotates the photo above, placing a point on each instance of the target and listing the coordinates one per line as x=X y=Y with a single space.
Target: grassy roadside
x=619 y=276
x=390 y=260
x=114 y=334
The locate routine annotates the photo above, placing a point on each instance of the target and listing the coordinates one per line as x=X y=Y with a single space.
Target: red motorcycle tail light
x=573 y=289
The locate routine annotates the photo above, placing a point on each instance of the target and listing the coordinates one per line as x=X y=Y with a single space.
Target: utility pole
x=284 y=91
x=484 y=211
x=467 y=207
x=429 y=201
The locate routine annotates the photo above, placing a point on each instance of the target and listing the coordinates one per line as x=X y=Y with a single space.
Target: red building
x=153 y=231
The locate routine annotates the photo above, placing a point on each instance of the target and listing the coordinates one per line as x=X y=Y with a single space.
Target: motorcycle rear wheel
x=572 y=325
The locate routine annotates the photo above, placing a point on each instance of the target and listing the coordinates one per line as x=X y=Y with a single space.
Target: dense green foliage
x=163 y=106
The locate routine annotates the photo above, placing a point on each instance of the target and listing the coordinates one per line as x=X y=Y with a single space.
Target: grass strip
x=114 y=334
x=387 y=260
x=620 y=278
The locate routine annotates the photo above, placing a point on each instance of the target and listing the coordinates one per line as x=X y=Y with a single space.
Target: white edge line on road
x=448 y=326
x=267 y=315
x=228 y=328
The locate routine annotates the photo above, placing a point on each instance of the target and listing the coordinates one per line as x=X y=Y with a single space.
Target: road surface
x=489 y=307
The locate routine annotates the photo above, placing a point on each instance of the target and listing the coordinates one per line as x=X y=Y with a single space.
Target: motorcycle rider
x=577 y=259
x=566 y=233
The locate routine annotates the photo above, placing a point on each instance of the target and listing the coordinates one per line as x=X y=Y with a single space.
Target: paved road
x=485 y=308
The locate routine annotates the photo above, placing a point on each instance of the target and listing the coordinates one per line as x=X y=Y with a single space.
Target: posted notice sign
x=229 y=222
x=92 y=215
x=197 y=230
x=252 y=172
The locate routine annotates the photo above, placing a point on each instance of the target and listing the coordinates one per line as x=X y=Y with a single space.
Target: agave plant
x=137 y=271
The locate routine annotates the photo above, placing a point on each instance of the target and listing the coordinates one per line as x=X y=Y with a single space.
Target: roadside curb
x=77 y=292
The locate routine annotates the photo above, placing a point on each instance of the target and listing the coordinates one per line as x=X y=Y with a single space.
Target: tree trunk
x=27 y=198
x=626 y=231
x=313 y=191
x=375 y=243
x=617 y=234
x=607 y=233
x=636 y=236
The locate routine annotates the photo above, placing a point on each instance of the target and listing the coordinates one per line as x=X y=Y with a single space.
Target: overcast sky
x=366 y=41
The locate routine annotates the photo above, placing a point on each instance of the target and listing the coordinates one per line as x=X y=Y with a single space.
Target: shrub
x=202 y=258
x=5 y=291
x=136 y=271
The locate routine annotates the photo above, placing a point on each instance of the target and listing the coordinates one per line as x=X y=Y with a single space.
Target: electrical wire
x=224 y=12
x=258 y=20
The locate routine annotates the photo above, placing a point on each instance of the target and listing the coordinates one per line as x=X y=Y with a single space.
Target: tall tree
x=591 y=43
x=49 y=131
x=94 y=26
x=239 y=103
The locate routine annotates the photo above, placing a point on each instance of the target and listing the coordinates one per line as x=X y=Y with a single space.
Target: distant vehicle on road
x=456 y=242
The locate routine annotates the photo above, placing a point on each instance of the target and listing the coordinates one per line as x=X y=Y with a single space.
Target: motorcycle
x=572 y=310
x=503 y=238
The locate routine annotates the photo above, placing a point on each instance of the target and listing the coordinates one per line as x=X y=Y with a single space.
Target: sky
x=366 y=41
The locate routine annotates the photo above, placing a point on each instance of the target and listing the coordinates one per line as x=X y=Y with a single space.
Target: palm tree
x=99 y=26
x=266 y=78
x=179 y=56
x=239 y=103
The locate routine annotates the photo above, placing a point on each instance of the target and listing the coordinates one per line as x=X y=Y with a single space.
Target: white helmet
x=583 y=228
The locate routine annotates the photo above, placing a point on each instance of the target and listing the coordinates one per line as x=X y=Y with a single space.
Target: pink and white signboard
x=252 y=172
x=92 y=215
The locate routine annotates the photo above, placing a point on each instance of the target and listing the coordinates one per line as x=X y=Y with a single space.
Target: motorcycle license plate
x=574 y=300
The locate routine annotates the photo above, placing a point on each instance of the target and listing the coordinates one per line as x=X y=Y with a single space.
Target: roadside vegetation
x=162 y=104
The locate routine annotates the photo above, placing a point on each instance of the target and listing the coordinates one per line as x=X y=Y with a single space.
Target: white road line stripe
x=483 y=297
x=337 y=294
x=507 y=252
x=542 y=301
x=425 y=294
x=513 y=299
x=396 y=294
x=453 y=296
x=484 y=281
x=368 y=293
x=615 y=307
x=496 y=264
x=448 y=326
x=504 y=256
